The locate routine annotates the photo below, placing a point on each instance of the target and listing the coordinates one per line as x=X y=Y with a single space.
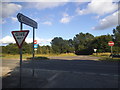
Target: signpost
x=35 y=45
x=19 y=37
x=35 y=41
x=28 y=21
x=35 y=49
x=95 y=51
x=111 y=43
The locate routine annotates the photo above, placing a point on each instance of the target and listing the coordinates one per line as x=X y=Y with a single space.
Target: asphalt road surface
x=68 y=72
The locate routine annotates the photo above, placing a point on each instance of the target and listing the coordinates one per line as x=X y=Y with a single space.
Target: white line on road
x=53 y=77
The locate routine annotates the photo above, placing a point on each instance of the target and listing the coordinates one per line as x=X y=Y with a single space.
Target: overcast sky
x=59 y=19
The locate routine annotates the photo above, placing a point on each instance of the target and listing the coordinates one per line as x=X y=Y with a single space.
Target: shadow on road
x=38 y=73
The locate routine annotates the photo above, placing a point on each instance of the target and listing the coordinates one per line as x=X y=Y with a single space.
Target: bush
x=87 y=51
x=37 y=58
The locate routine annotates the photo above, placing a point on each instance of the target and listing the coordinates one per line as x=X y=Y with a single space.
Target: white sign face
x=20 y=37
x=95 y=50
x=35 y=49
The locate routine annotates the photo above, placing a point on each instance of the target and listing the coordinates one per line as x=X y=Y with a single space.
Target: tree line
x=82 y=43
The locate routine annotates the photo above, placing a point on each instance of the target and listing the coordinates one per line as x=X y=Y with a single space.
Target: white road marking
x=53 y=77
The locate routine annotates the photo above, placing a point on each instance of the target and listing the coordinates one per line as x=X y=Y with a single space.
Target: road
x=71 y=72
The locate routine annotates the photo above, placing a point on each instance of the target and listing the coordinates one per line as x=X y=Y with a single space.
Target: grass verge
x=40 y=56
x=101 y=54
x=110 y=59
x=37 y=58
x=105 y=57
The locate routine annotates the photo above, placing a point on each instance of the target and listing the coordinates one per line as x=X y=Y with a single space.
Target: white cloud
x=40 y=41
x=14 y=19
x=107 y=22
x=66 y=18
x=7 y=39
x=99 y=7
x=9 y=9
x=54 y=0
x=10 y=39
x=44 y=5
x=47 y=23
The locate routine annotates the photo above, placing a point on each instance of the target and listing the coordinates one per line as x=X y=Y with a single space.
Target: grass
x=110 y=59
x=101 y=54
x=40 y=56
x=37 y=58
x=105 y=57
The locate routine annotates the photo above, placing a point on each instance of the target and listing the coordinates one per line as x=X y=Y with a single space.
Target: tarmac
x=57 y=79
x=59 y=73
x=28 y=79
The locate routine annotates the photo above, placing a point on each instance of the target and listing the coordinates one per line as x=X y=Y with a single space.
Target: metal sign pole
x=111 y=51
x=21 y=26
x=33 y=48
x=33 y=41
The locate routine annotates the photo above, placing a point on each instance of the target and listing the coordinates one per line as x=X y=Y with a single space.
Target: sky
x=58 y=19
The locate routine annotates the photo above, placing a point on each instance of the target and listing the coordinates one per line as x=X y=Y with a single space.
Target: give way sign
x=20 y=36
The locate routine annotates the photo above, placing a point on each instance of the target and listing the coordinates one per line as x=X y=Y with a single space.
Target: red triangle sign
x=20 y=36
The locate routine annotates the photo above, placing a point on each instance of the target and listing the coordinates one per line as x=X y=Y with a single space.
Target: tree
x=82 y=43
x=10 y=49
x=116 y=39
x=70 y=44
x=58 y=45
x=13 y=48
x=116 y=36
x=101 y=43
x=62 y=46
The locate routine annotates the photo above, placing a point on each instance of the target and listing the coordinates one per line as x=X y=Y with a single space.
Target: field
x=101 y=54
x=24 y=56
x=104 y=56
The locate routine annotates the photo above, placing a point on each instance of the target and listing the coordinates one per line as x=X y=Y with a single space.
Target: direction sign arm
x=26 y=20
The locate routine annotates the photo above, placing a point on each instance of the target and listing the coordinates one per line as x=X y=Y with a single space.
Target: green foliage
x=62 y=46
x=86 y=51
x=116 y=39
x=10 y=49
x=116 y=49
x=101 y=43
x=44 y=50
x=82 y=43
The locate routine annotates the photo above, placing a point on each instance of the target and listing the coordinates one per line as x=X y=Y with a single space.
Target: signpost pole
x=21 y=26
x=111 y=51
x=33 y=42
x=19 y=37
x=111 y=43
x=33 y=48
x=28 y=21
